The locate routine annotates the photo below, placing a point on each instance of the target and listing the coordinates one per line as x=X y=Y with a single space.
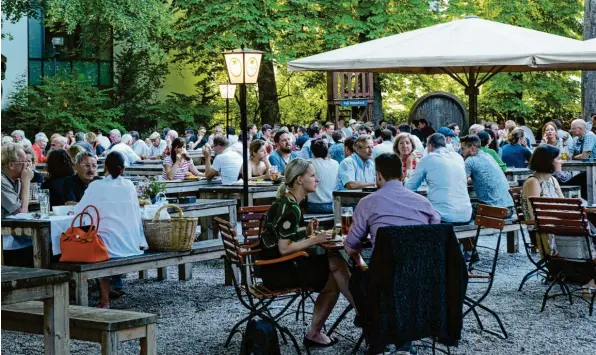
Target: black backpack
x=260 y=338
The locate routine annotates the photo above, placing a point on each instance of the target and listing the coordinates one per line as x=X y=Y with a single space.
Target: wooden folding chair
x=565 y=217
x=251 y=219
x=529 y=242
x=486 y=217
x=256 y=297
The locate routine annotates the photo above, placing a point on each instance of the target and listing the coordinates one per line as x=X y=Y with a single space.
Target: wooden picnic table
x=236 y=192
x=144 y=169
x=21 y=284
x=589 y=167
x=205 y=210
x=40 y=232
x=515 y=174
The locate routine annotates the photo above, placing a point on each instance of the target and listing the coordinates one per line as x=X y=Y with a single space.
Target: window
x=93 y=61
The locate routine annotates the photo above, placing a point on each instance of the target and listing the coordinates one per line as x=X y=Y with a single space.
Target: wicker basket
x=175 y=234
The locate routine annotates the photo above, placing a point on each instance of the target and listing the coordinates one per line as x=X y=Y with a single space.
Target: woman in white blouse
x=321 y=201
x=120 y=225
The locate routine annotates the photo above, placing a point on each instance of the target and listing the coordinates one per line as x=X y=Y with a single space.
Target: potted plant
x=149 y=188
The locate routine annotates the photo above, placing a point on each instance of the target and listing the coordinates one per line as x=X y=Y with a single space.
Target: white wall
x=16 y=53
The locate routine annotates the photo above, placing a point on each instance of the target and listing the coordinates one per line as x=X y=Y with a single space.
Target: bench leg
x=109 y=343
x=148 y=343
x=81 y=290
x=512 y=242
x=185 y=272
x=144 y=274
x=162 y=273
x=56 y=325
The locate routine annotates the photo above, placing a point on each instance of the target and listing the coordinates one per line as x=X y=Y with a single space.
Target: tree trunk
x=377 y=111
x=589 y=77
x=268 y=105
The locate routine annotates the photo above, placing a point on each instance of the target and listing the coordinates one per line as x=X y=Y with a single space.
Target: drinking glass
x=44 y=202
x=346 y=219
x=33 y=190
x=274 y=172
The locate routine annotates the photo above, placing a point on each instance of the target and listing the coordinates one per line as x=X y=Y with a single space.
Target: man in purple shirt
x=391 y=205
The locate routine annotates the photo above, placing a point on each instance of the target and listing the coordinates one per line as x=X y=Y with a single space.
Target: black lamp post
x=243 y=68
x=56 y=42
x=227 y=91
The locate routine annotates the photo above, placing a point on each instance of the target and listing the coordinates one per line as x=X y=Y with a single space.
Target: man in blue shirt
x=358 y=170
x=282 y=156
x=490 y=184
x=445 y=174
x=584 y=141
x=336 y=151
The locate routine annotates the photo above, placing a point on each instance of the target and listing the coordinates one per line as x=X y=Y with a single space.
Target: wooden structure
x=21 y=284
x=440 y=109
x=106 y=326
x=349 y=96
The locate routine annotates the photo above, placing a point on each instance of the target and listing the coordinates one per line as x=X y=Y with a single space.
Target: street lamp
x=227 y=92
x=56 y=42
x=243 y=68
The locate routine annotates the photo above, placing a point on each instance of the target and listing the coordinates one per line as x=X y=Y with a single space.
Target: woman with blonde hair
x=404 y=147
x=73 y=150
x=285 y=234
x=91 y=138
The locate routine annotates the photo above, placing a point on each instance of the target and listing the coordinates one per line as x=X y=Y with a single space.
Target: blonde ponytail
x=296 y=167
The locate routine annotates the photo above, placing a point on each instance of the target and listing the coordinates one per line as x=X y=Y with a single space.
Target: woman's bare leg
x=323 y=306
x=341 y=274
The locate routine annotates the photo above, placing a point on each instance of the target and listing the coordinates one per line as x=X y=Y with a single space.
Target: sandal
x=103 y=305
x=315 y=344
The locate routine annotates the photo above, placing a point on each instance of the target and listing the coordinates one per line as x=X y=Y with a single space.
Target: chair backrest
x=250 y=218
x=490 y=217
x=561 y=216
x=229 y=240
x=516 y=195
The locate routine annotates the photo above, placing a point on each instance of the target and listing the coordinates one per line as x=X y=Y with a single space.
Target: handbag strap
x=80 y=217
x=96 y=213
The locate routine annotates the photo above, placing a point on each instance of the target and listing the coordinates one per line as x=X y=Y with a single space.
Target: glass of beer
x=346 y=219
x=274 y=172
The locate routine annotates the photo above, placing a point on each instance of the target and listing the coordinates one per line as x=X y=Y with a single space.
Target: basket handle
x=180 y=213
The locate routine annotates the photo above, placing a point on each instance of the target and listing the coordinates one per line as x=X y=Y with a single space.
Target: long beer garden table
x=352 y=197
x=236 y=192
x=589 y=167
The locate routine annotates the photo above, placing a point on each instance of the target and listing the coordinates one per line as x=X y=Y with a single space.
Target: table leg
x=56 y=323
x=590 y=181
x=512 y=242
x=251 y=200
x=109 y=343
x=148 y=343
x=337 y=209
x=206 y=233
x=42 y=247
x=143 y=274
x=81 y=290
x=185 y=272
x=162 y=273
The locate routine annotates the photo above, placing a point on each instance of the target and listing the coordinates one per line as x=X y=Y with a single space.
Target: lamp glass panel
x=253 y=64
x=227 y=91
x=234 y=63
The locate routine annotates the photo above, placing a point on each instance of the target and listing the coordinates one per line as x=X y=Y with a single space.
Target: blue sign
x=354 y=102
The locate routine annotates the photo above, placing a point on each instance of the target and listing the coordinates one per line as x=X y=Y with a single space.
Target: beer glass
x=44 y=202
x=346 y=219
x=274 y=172
x=33 y=191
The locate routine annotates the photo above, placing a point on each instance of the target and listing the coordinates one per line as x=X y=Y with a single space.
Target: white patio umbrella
x=474 y=47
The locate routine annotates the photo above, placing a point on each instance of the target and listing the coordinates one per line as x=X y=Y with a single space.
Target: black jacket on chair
x=417 y=284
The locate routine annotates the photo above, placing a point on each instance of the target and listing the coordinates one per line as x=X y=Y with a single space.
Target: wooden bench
x=81 y=273
x=106 y=326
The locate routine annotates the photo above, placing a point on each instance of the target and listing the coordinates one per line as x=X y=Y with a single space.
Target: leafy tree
x=62 y=103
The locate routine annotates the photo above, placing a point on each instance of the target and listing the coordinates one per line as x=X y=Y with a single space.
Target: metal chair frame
x=564 y=217
x=486 y=217
x=539 y=269
x=256 y=297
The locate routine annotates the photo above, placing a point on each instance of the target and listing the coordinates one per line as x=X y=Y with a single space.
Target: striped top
x=183 y=167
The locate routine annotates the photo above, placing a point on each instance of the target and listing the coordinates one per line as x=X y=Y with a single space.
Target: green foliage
x=62 y=103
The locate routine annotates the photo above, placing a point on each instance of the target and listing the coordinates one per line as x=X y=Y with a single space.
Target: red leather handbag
x=80 y=246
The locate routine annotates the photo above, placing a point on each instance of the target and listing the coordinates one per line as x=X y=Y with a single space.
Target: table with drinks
x=256 y=190
x=589 y=167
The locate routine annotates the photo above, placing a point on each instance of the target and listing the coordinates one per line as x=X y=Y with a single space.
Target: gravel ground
x=196 y=316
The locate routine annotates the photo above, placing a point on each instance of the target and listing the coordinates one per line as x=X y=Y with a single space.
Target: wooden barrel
x=440 y=109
